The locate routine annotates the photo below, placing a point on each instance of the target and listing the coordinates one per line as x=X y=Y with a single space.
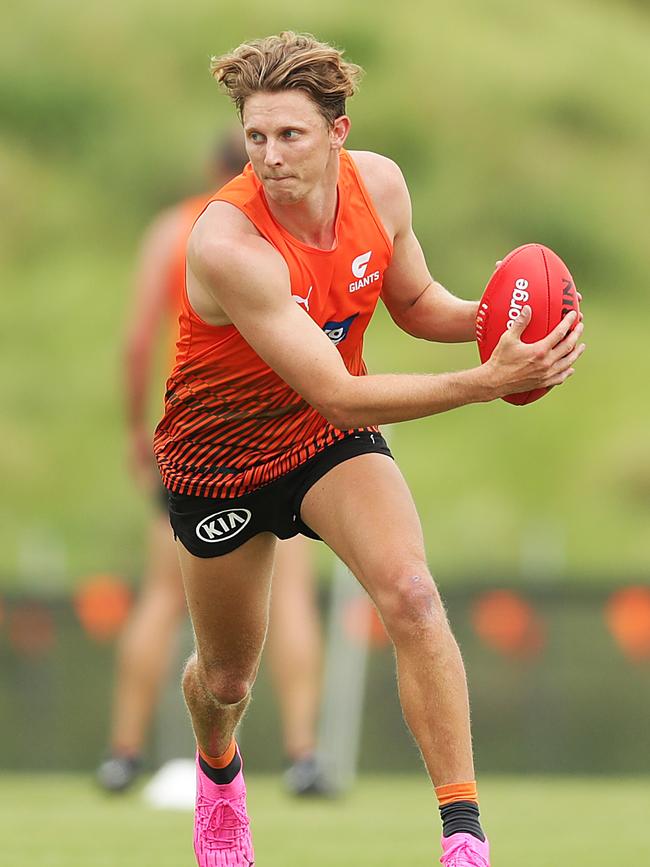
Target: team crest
x=338 y=331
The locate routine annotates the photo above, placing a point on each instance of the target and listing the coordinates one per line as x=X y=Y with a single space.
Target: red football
x=532 y=275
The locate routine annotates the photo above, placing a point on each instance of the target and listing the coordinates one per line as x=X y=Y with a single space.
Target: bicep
x=251 y=285
x=407 y=276
x=291 y=343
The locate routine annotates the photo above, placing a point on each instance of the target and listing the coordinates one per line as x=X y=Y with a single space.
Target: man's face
x=289 y=143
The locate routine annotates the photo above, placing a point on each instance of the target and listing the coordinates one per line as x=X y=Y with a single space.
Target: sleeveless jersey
x=231 y=424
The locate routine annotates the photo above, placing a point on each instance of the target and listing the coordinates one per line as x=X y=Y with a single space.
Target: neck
x=312 y=220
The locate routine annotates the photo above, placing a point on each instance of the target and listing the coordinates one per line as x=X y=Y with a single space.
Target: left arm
x=417 y=303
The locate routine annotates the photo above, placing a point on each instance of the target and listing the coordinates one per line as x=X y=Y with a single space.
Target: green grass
x=61 y=821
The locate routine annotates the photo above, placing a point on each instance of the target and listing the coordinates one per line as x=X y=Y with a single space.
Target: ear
x=339 y=131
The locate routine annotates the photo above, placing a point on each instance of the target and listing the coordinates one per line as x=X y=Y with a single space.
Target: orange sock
x=222 y=761
x=457 y=792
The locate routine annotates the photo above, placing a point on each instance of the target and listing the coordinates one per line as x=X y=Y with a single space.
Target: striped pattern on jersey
x=239 y=437
x=231 y=424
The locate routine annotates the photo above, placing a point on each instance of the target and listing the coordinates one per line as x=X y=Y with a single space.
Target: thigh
x=228 y=600
x=363 y=510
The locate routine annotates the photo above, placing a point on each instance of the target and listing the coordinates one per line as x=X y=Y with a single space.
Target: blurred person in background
x=146 y=646
x=270 y=425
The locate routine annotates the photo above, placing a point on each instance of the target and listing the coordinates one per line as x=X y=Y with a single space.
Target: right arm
x=248 y=282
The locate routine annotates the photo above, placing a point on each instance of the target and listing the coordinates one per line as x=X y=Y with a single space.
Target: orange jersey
x=231 y=424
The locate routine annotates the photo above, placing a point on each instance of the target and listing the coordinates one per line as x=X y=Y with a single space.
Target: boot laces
x=463 y=855
x=223 y=822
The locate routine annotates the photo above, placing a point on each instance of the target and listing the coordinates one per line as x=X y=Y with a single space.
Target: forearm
x=387 y=398
x=438 y=315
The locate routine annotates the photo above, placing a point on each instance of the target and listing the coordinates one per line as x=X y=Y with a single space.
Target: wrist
x=485 y=383
x=472 y=313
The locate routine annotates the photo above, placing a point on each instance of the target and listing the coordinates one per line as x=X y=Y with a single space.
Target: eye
x=256 y=137
x=291 y=133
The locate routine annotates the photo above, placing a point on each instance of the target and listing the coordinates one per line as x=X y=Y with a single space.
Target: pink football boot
x=464 y=850
x=222 y=836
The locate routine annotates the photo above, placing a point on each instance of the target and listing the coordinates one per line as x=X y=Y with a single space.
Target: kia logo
x=223 y=525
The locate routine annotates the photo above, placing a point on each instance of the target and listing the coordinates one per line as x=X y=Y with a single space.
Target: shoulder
x=224 y=244
x=385 y=183
x=381 y=175
x=222 y=220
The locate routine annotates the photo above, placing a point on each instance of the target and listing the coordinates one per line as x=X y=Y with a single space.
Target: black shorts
x=211 y=527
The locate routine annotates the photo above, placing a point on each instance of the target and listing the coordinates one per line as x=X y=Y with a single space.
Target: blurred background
x=512 y=123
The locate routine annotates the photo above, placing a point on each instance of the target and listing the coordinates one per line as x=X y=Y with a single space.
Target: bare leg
x=146 y=645
x=364 y=511
x=228 y=598
x=294 y=646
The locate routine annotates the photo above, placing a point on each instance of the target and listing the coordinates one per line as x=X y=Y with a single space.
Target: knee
x=410 y=604
x=227 y=688
x=224 y=687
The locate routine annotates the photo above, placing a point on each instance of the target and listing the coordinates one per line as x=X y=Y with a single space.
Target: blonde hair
x=289 y=61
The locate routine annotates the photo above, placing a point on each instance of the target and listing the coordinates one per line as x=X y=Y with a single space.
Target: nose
x=272 y=155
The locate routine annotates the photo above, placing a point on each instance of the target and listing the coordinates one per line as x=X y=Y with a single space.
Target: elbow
x=341 y=403
x=342 y=420
x=406 y=322
x=340 y=416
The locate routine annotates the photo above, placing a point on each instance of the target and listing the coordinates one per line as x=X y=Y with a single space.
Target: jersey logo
x=304 y=301
x=222 y=525
x=359 y=268
x=360 y=264
x=338 y=331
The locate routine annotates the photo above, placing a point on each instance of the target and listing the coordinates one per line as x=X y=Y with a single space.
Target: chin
x=283 y=197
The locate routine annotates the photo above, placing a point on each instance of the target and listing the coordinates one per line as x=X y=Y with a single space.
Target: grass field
x=62 y=821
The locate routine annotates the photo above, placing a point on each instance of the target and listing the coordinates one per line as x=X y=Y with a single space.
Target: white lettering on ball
x=517 y=300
